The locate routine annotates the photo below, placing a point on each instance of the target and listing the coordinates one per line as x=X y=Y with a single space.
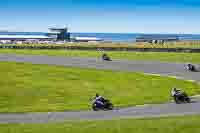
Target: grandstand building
x=61 y=34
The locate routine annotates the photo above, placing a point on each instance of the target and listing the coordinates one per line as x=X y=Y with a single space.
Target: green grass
x=156 y=125
x=38 y=88
x=155 y=56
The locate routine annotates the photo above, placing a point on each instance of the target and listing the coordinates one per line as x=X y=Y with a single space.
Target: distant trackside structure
x=157 y=38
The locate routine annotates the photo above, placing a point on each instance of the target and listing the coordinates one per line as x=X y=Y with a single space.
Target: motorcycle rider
x=100 y=103
x=175 y=92
x=105 y=57
x=99 y=99
x=190 y=66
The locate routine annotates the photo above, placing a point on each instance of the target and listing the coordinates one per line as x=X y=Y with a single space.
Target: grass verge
x=41 y=88
x=178 y=44
x=158 y=125
x=154 y=56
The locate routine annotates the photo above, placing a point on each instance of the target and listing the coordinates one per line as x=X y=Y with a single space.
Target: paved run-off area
x=165 y=69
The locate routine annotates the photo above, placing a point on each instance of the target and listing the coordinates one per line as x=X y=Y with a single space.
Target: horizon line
x=106 y=32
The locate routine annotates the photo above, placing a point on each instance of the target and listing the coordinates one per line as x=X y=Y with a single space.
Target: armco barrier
x=186 y=50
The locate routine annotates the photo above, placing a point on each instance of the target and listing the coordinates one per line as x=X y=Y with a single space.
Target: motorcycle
x=190 y=67
x=106 y=57
x=107 y=105
x=181 y=97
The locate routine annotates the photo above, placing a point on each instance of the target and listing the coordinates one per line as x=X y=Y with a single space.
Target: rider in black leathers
x=106 y=57
x=179 y=95
x=190 y=67
x=99 y=100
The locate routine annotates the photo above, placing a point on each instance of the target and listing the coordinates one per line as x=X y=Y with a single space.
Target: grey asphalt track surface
x=150 y=67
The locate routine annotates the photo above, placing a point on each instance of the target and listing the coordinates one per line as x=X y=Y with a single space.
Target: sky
x=103 y=16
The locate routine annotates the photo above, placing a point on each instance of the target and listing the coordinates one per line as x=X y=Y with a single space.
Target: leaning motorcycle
x=107 y=105
x=190 y=68
x=182 y=98
x=106 y=58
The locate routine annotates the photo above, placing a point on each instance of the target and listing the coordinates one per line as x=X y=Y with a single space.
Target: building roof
x=87 y=39
x=58 y=29
x=53 y=32
x=24 y=37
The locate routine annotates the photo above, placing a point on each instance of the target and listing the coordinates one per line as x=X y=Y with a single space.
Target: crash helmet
x=104 y=54
x=97 y=95
x=174 y=89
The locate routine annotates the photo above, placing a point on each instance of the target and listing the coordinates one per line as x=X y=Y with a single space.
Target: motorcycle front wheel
x=94 y=108
x=177 y=101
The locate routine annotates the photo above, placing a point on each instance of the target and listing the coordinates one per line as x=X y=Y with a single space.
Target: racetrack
x=151 y=67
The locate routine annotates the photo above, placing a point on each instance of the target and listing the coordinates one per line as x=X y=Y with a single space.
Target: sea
x=110 y=37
